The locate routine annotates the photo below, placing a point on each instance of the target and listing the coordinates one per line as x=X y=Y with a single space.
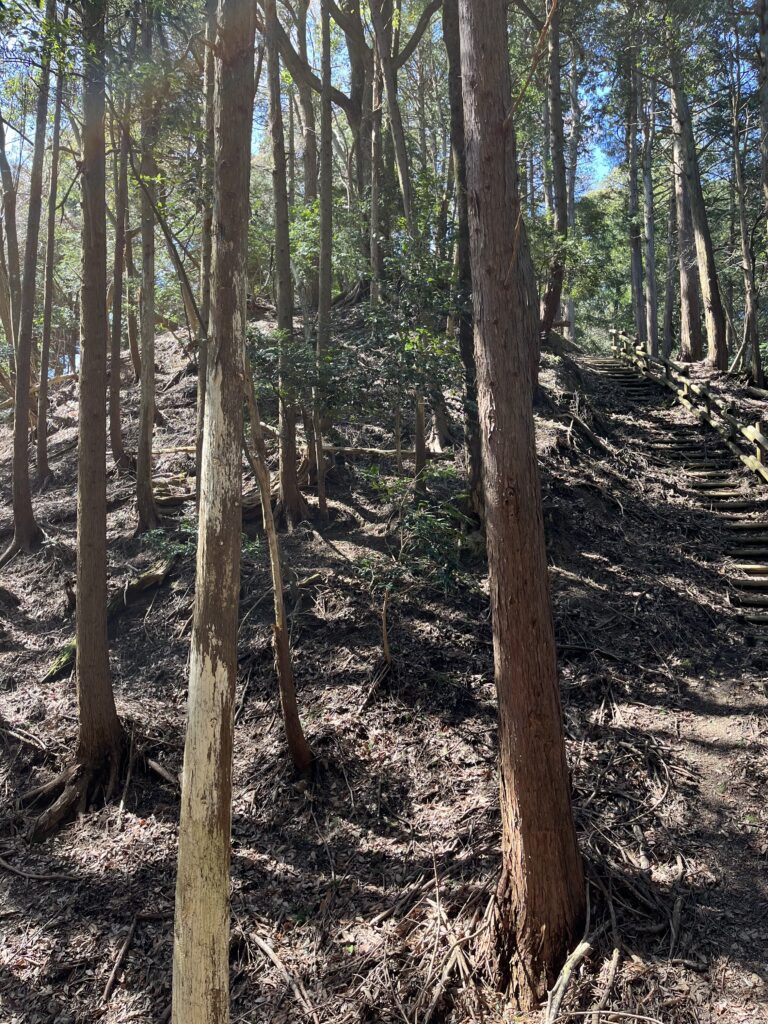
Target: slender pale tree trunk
x=375 y=226
x=714 y=315
x=11 y=235
x=201 y=930
x=43 y=470
x=300 y=751
x=540 y=899
x=309 y=130
x=573 y=157
x=326 y=249
x=292 y=507
x=464 y=263
x=131 y=296
x=115 y=361
x=550 y=303
x=649 y=230
x=145 y=498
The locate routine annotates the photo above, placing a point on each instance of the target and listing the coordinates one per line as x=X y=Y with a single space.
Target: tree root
x=71 y=793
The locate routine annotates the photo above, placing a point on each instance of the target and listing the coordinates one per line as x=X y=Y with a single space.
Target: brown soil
x=371 y=886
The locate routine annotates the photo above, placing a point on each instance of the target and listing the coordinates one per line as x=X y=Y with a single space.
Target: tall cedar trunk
x=714 y=316
x=751 y=330
x=382 y=26
x=635 y=231
x=541 y=893
x=100 y=737
x=26 y=531
x=550 y=303
x=464 y=263
x=43 y=471
x=206 y=239
x=420 y=441
x=115 y=362
x=691 y=338
x=201 y=929
x=11 y=234
x=669 y=291
x=573 y=156
x=649 y=232
x=326 y=248
x=375 y=214
x=547 y=186
x=292 y=505
x=145 y=498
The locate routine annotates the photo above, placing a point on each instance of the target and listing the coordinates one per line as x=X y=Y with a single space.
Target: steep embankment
x=363 y=897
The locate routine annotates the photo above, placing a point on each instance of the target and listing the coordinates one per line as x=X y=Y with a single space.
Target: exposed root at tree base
x=72 y=792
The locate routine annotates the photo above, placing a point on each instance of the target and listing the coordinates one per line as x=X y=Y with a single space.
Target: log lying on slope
x=155 y=576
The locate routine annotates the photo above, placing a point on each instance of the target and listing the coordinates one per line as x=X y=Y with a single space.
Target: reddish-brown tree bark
x=540 y=911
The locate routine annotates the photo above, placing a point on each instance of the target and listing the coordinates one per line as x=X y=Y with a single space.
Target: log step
x=760 y=584
x=747 y=525
x=760 y=538
x=750 y=600
x=709 y=486
x=761 y=553
x=751 y=568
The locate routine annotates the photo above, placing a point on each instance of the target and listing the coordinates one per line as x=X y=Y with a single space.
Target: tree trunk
x=201 y=932
x=11 y=235
x=292 y=507
x=115 y=361
x=27 y=534
x=649 y=231
x=43 y=470
x=540 y=913
x=635 y=233
x=326 y=250
x=691 y=339
x=751 y=329
x=206 y=238
x=420 y=442
x=145 y=498
x=310 y=140
x=573 y=156
x=669 y=292
x=101 y=740
x=300 y=751
x=463 y=297
x=550 y=303
x=131 y=277
x=714 y=316
x=375 y=226
x=762 y=54
x=382 y=27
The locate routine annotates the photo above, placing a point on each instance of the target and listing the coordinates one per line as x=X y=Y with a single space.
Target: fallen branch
x=36 y=876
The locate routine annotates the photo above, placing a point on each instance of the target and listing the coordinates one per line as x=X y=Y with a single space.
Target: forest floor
x=363 y=897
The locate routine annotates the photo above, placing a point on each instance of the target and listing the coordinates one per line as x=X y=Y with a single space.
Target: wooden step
x=751 y=568
x=750 y=600
x=761 y=553
x=750 y=540
x=711 y=485
x=748 y=525
x=716 y=495
x=761 y=584
x=732 y=506
x=707 y=474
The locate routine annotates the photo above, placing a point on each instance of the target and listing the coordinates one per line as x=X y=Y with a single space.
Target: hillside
x=365 y=892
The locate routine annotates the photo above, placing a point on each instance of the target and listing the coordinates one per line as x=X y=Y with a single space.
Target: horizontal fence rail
x=710 y=409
